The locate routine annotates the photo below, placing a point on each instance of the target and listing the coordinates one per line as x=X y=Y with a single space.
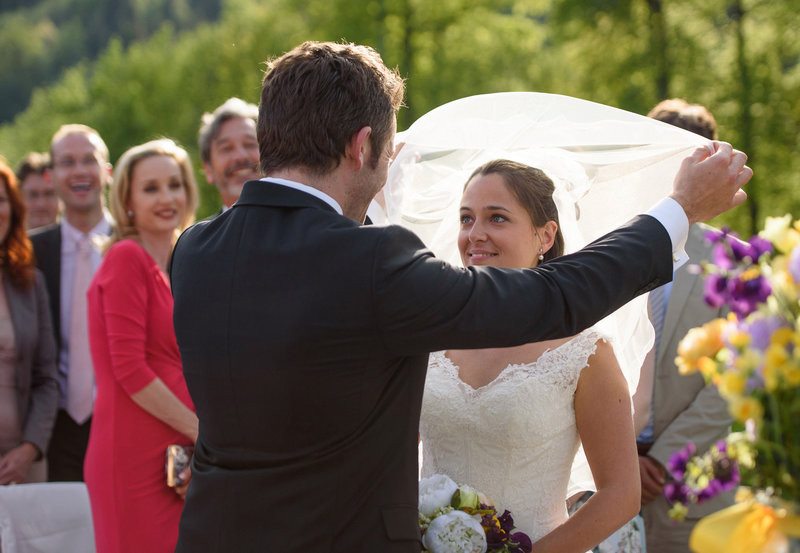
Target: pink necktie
x=80 y=375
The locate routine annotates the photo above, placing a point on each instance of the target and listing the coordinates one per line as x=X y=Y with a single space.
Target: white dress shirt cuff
x=670 y=214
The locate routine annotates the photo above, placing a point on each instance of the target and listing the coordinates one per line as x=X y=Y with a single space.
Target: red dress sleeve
x=123 y=281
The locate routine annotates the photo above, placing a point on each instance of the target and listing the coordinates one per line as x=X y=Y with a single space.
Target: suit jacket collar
x=266 y=193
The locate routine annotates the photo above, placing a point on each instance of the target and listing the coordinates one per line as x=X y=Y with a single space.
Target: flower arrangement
x=753 y=358
x=459 y=519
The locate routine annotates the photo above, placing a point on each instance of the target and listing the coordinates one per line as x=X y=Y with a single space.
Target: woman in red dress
x=142 y=402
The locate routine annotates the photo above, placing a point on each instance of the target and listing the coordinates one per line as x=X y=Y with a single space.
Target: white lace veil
x=608 y=165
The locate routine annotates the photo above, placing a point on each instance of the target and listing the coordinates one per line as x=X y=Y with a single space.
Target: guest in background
x=38 y=190
x=684 y=408
x=142 y=403
x=68 y=255
x=28 y=388
x=229 y=148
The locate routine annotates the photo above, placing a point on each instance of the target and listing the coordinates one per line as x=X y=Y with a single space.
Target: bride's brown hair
x=533 y=190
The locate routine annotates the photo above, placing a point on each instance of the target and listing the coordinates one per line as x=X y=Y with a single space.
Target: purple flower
x=746 y=294
x=751 y=250
x=754 y=382
x=495 y=537
x=761 y=329
x=677 y=492
x=721 y=257
x=759 y=246
x=519 y=542
x=716 y=290
x=678 y=461
x=794 y=264
x=715 y=236
x=506 y=521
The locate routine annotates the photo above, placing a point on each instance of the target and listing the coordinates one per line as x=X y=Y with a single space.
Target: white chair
x=46 y=518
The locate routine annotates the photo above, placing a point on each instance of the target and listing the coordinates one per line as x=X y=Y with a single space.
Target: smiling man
x=229 y=148
x=38 y=190
x=68 y=255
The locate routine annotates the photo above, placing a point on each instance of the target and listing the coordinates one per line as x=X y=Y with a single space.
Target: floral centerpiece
x=753 y=358
x=459 y=519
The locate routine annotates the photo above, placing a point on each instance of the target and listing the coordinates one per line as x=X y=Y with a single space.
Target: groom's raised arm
x=424 y=304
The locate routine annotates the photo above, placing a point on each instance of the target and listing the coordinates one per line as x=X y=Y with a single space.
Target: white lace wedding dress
x=513 y=439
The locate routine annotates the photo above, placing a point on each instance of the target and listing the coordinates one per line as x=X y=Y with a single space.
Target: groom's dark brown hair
x=315 y=97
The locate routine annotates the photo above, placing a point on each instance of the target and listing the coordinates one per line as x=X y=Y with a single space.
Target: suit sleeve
x=124 y=310
x=424 y=304
x=44 y=385
x=704 y=422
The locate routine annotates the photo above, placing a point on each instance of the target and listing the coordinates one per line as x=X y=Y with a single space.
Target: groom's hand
x=653 y=477
x=710 y=183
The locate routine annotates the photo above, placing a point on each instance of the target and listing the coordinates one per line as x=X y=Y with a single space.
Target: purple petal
x=761 y=329
x=760 y=246
x=716 y=290
x=715 y=236
x=721 y=257
x=745 y=295
x=506 y=521
x=794 y=264
x=678 y=460
x=522 y=541
x=677 y=492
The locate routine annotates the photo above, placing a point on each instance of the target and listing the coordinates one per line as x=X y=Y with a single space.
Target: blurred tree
x=41 y=39
x=738 y=57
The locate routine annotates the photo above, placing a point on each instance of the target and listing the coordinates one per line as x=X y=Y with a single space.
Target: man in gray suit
x=684 y=409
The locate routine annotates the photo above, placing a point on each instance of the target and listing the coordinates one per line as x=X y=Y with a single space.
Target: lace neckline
x=455 y=371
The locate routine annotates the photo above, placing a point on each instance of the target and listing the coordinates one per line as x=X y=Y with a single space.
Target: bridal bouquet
x=459 y=519
x=753 y=358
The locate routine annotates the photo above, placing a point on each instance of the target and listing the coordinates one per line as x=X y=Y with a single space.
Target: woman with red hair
x=28 y=385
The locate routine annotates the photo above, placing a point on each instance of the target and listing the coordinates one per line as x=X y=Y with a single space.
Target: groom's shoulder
x=391 y=236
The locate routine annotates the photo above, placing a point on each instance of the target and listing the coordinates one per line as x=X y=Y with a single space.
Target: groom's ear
x=357 y=149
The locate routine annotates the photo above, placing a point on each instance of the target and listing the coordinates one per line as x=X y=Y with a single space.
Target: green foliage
x=741 y=58
x=41 y=39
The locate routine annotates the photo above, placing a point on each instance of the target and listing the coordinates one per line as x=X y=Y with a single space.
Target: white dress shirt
x=70 y=236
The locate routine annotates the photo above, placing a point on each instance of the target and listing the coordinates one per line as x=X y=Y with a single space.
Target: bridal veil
x=608 y=165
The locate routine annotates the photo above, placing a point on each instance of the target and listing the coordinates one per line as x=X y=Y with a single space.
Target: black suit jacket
x=305 y=341
x=47 y=251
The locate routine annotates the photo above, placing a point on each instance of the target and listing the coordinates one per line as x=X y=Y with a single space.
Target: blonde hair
x=75 y=128
x=120 y=192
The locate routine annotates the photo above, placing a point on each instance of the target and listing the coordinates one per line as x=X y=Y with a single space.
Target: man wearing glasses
x=68 y=255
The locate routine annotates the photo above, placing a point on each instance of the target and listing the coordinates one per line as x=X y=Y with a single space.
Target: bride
x=509 y=421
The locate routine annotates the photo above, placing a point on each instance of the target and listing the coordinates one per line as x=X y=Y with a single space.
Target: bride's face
x=496 y=230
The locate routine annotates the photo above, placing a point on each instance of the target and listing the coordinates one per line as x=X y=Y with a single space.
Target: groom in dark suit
x=305 y=336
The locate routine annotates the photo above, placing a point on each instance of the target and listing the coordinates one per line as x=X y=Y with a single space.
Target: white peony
x=455 y=532
x=435 y=492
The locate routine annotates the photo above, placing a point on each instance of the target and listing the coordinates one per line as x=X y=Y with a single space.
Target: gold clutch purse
x=178 y=458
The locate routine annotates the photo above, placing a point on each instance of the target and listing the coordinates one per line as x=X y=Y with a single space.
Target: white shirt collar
x=71 y=236
x=308 y=190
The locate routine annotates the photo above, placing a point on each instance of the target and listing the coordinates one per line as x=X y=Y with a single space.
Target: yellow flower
x=699 y=342
x=782 y=336
x=748 y=361
x=778 y=231
x=739 y=339
x=732 y=384
x=792 y=375
x=776 y=360
x=744 y=408
x=708 y=368
x=770 y=377
x=678 y=511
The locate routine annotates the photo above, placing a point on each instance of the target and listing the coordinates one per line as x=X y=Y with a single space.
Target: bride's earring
x=541 y=255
